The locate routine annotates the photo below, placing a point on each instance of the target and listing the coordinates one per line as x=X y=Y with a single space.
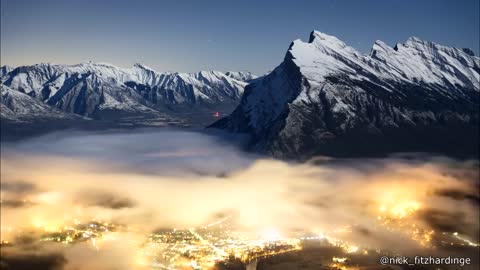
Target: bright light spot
x=339 y=260
x=399 y=210
x=404 y=209
x=270 y=234
x=351 y=249
x=49 y=197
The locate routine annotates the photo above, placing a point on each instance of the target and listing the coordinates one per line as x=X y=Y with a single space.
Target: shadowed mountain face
x=327 y=98
x=99 y=90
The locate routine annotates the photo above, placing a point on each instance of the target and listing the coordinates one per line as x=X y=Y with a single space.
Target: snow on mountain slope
x=20 y=107
x=327 y=98
x=414 y=61
x=241 y=76
x=90 y=88
x=5 y=70
x=87 y=94
x=427 y=62
x=191 y=88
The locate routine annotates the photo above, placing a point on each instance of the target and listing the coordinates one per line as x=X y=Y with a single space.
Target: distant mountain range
x=326 y=98
x=102 y=91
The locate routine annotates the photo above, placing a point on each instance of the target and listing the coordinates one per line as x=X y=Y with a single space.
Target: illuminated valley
x=116 y=213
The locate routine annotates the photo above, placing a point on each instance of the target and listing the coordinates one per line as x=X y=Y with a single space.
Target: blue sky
x=222 y=35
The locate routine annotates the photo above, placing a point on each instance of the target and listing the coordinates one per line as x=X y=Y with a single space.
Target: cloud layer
x=159 y=179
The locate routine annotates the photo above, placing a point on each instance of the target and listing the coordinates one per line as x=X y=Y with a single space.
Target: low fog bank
x=154 y=179
x=165 y=151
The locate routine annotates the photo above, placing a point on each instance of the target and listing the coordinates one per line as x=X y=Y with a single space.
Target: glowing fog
x=149 y=180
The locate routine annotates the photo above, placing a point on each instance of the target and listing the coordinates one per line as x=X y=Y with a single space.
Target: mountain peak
x=421 y=44
x=97 y=64
x=325 y=96
x=245 y=76
x=413 y=40
x=142 y=66
x=321 y=38
x=415 y=60
x=379 y=46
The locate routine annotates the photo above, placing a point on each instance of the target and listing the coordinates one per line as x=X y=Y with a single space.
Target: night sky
x=219 y=35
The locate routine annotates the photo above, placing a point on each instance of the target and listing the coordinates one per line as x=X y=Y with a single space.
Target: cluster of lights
x=395 y=217
x=81 y=232
x=400 y=210
x=66 y=234
x=202 y=248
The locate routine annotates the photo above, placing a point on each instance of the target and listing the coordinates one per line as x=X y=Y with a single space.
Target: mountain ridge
x=327 y=98
x=99 y=89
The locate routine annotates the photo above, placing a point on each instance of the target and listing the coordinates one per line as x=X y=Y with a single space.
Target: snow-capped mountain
x=327 y=98
x=94 y=89
x=19 y=107
x=190 y=88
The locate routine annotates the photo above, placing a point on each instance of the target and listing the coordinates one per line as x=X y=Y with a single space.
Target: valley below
x=170 y=198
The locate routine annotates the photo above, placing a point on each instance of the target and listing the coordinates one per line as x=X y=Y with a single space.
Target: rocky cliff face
x=327 y=98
